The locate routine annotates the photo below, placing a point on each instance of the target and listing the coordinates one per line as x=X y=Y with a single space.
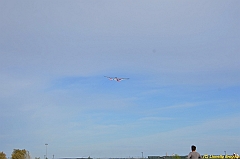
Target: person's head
x=193 y=148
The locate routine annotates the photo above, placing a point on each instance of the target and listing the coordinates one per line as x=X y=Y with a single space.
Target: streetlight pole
x=46 y=150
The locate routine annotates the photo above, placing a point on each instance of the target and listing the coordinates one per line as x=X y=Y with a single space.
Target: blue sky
x=182 y=58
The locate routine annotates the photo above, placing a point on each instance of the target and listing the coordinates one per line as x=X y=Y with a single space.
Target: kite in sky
x=116 y=78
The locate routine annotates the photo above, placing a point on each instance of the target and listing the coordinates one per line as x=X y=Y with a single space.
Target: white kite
x=116 y=78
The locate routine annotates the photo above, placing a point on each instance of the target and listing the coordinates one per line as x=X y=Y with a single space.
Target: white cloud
x=70 y=51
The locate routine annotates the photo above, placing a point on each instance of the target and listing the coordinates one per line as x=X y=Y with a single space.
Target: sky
x=181 y=58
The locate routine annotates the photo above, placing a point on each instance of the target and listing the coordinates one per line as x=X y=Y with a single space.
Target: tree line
x=16 y=154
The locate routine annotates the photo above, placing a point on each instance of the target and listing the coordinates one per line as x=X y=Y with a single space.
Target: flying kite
x=116 y=78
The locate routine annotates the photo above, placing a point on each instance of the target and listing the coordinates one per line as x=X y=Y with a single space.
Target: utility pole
x=46 y=150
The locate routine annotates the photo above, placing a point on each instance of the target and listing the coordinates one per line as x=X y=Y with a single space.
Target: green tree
x=176 y=156
x=20 y=154
x=2 y=155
